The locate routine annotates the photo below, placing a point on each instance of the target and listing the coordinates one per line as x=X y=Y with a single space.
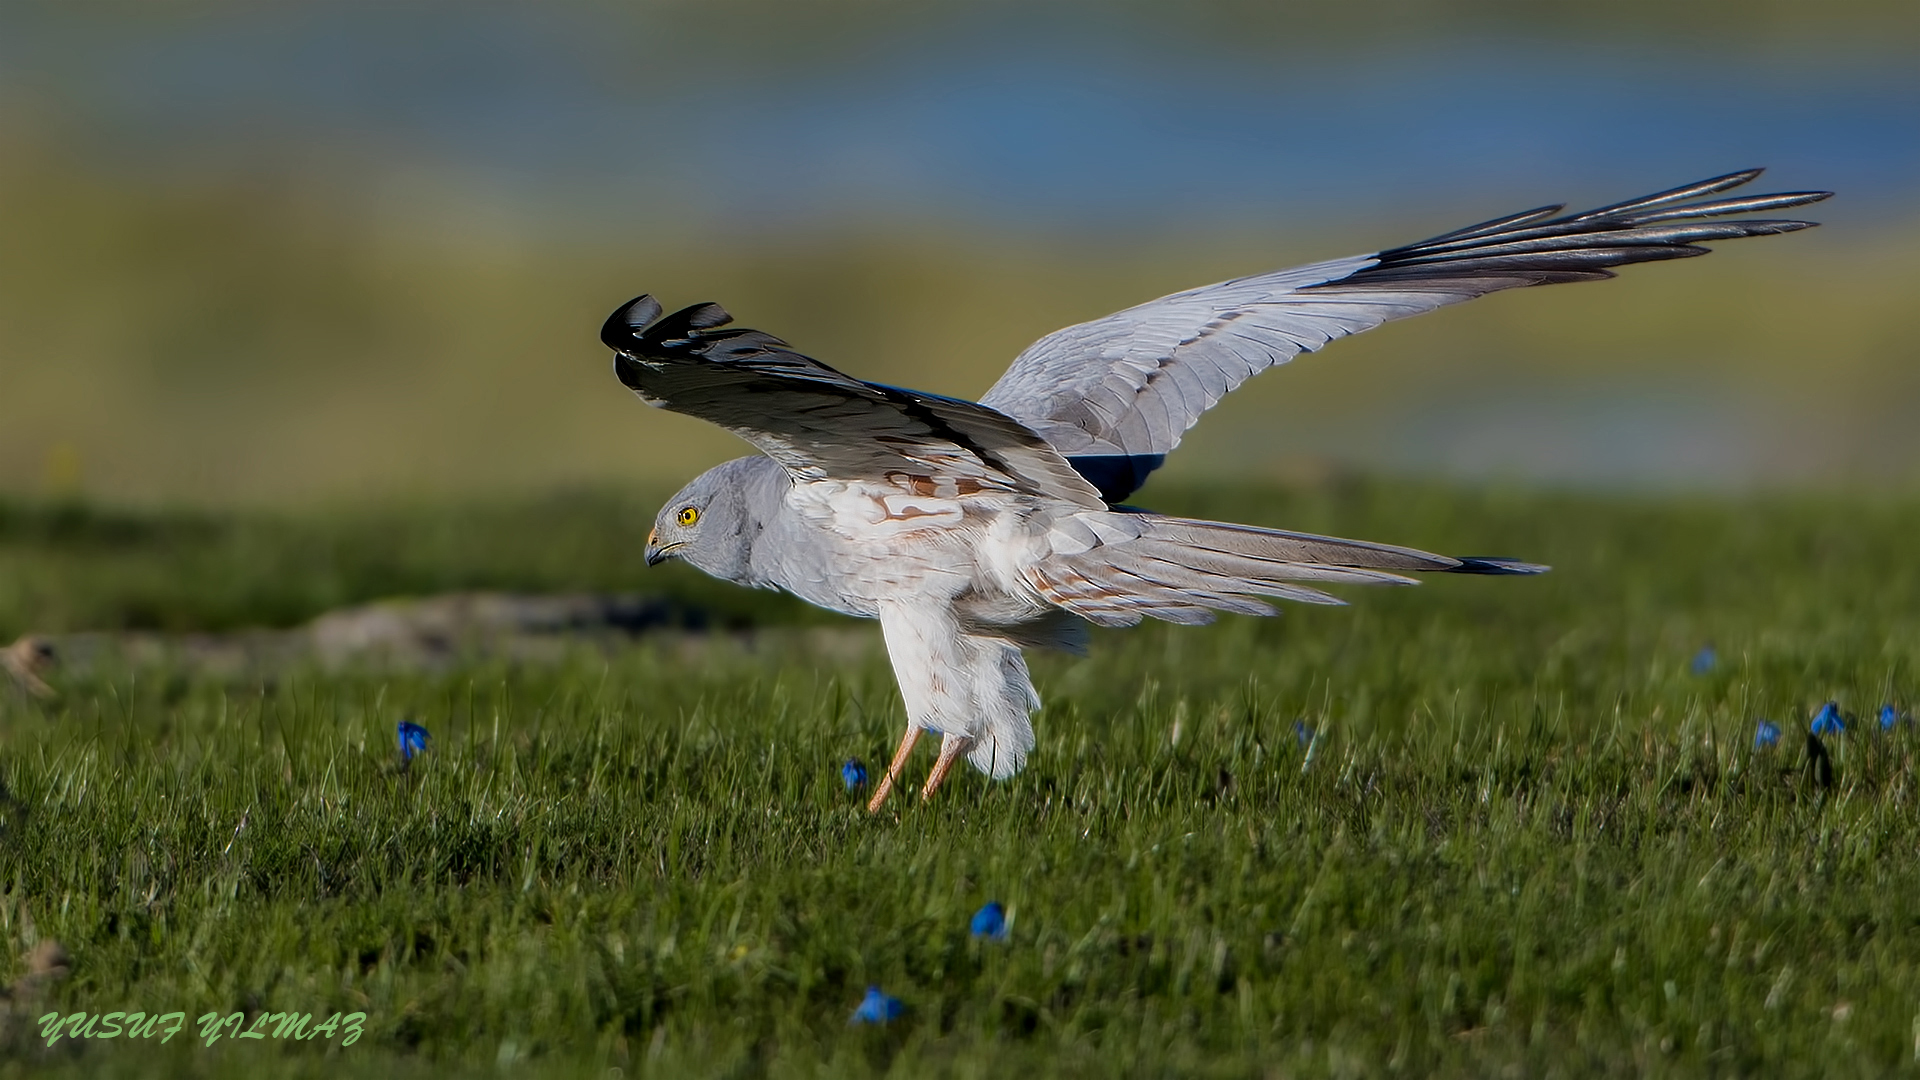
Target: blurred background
x=277 y=254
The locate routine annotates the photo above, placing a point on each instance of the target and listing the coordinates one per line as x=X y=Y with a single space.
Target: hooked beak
x=656 y=554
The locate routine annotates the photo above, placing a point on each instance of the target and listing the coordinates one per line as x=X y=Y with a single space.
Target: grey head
x=713 y=522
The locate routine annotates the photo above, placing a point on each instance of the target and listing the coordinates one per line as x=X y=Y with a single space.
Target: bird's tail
x=1114 y=568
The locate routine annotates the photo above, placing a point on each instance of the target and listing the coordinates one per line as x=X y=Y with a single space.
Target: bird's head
x=712 y=522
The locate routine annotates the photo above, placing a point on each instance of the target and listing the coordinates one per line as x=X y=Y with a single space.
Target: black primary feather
x=1585 y=246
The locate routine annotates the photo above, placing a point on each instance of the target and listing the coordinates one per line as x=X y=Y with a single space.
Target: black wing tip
x=636 y=326
x=629 y=321
x=1742 y=178
x=1697 y=195
x=1495 y=566
x=1529 y=250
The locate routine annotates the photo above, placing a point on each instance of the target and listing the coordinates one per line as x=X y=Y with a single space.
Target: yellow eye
x=687 y=516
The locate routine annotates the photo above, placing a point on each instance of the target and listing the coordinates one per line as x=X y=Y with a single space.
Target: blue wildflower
x=413 y=740
x=1765 y=735
x=1827 y=721
x=1303 y=733
x=1704 y=660
x=877 y=1008
x=1889 y=716
x=990 y=922
x=853 y=774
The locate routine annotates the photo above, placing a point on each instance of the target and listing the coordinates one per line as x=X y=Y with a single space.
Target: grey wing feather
x=1115 y=395
x=817 y=422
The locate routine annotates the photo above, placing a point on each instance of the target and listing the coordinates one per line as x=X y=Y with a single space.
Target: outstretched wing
x=821 y=424
x=1116 y=394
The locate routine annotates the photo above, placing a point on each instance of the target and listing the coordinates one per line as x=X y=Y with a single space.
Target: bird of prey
x=975 y=530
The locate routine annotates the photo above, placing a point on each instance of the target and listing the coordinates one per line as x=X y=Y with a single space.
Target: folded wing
x=819 y=423
x=1115 y=395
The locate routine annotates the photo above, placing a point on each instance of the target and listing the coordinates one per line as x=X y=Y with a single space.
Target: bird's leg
x=894 y=770
x=951 y=747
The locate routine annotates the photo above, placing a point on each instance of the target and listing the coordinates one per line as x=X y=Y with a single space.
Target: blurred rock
x=26 y=661
x=22 y=1003
x=442 y=627
x=409 y=633
x=47 y=963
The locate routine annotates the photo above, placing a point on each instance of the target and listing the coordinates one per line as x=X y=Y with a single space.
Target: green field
x=1524 y=835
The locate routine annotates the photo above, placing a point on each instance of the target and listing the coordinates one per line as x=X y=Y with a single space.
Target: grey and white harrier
x=972 y=531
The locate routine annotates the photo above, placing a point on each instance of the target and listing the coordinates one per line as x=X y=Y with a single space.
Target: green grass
x=1525 y=839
